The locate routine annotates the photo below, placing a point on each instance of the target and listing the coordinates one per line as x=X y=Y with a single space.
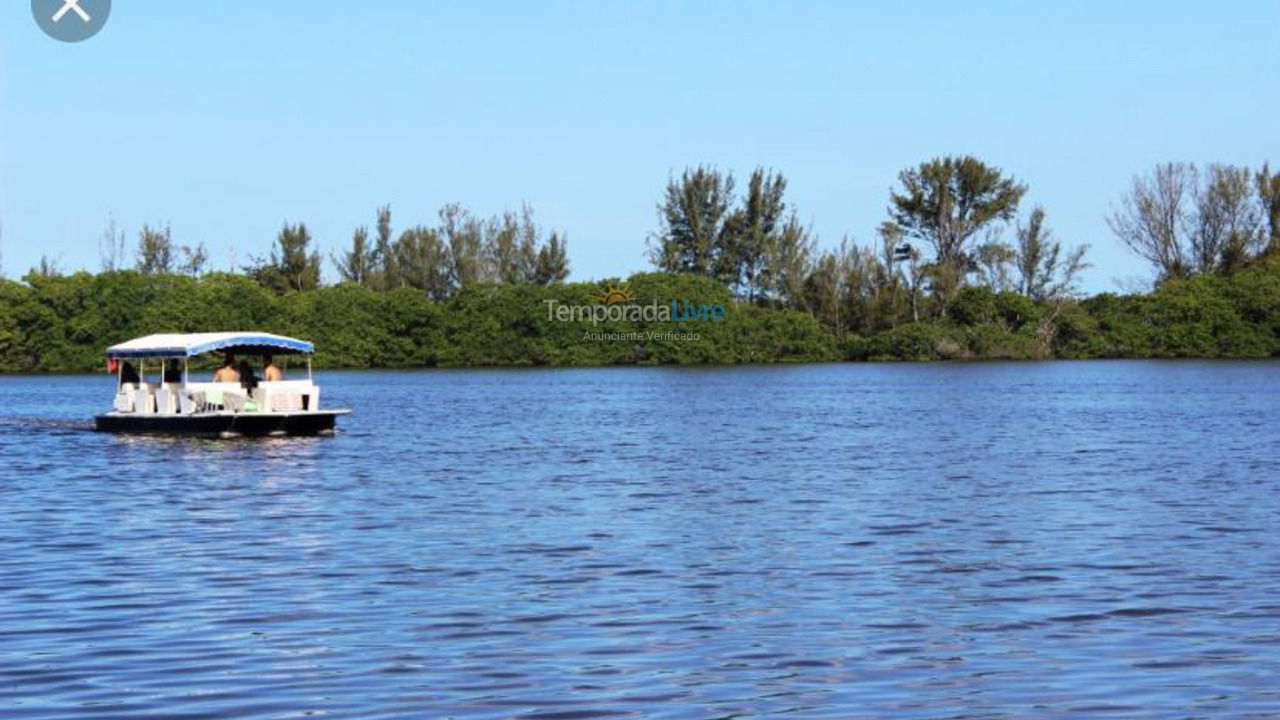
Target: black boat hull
x=222 y=424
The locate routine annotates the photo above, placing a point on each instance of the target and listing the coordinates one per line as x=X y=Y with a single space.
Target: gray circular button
x=71 y=20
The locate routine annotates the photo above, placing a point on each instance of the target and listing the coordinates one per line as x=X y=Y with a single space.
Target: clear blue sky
x=224 y=119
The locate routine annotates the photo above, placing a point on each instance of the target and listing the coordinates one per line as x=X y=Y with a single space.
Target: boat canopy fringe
x=192 y=344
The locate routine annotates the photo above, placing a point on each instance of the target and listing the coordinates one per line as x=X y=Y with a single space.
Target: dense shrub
x=916 y=341
x=63 y=323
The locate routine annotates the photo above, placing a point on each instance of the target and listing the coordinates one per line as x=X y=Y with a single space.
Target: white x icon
x=68 y=5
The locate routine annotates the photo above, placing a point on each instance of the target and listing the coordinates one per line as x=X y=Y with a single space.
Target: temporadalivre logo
x=619 y=303
x=614 y=294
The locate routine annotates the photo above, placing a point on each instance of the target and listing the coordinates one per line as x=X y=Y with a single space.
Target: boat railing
x=144 y=398
x=287 y=396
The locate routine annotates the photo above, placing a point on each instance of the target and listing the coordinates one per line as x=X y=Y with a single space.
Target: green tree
x=463 y=235
x=824 y=291
x=357 y=265
x=1227 y=225
x=870 y=289
x=510 y=247
x=292 y=265
x=386 y=274
x=790 y=255
x=1043 y=271
x=194 y=259
x=993 y=259
x=552 y=265
x=750 y=233
x=1268 y=185
x=1152 y=217
x=423 y=263
x=691 y=221
x=892 y=252
x=947 y=201
x=1186 y=222
x=47 y=268
x=15 y=353
x=155 y=250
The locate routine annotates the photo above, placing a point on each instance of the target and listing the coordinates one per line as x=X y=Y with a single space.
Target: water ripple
x=943 y=541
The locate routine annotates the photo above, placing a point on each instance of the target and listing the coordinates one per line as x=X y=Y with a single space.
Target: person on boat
x=129 y=374
x=270 y=371
x=172 y=372
x=227 y=371
x=247 y=379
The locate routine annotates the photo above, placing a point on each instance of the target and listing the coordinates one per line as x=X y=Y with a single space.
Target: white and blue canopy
x=190 y=345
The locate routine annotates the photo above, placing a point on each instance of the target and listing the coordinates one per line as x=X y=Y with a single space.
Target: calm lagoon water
x=836 y=541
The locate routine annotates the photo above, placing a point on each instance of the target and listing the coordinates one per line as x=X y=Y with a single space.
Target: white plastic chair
x=164 y=401
x=143 y=400
x=124 y=401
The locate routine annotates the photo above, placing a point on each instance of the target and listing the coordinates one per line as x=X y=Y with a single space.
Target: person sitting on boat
x=129 y=374
x=227 y=371
x=270 y=371
x=172 y=372
x=247 y=379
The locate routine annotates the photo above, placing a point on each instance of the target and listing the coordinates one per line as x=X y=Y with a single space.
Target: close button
x=71 y=20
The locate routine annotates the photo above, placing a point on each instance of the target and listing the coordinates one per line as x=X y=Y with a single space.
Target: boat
x=171 y=403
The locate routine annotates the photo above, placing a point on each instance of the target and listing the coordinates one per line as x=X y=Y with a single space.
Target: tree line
x=1189 y=221
x=459 y=250
x=63 y=322
x=945 y=230
x=957 y=269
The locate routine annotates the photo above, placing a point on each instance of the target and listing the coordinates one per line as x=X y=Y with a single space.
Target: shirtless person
x=270 y=372
x=227 y=372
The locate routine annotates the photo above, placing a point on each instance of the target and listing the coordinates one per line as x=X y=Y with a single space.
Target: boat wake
x=45 y=425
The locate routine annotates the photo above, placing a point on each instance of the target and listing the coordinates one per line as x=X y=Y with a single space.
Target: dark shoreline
x=724 y=366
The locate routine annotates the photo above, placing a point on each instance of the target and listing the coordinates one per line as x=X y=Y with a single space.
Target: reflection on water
x=936 y=541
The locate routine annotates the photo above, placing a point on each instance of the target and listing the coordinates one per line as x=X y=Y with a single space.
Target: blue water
x=837 y=541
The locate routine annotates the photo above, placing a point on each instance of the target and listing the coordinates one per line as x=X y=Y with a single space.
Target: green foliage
x=1078 y=334
x=1268 y=186
x=749 y=244
x=359 y=264
x=782 y=336
x=1044 y=272
x=460 y=251
x=973 y=306
x=552 y=265
x=1255 y=294
x=1195 y=318
x=1209 y=316
x=469 y=291
x=995 y=341
x=1186 y=220
x=947 y=200
x=155 y=250
x=16 y=306
x=1017 y=311
x=692 y=217
x=915 y=341
x=292 y=265
x=63 y=322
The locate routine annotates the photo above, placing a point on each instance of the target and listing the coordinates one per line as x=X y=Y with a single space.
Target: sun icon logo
x=614 y=294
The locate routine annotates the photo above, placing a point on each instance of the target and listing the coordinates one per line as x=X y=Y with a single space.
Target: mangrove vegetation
x=958 y=269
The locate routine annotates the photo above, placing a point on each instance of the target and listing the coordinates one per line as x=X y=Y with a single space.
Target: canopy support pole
x=309 y=369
